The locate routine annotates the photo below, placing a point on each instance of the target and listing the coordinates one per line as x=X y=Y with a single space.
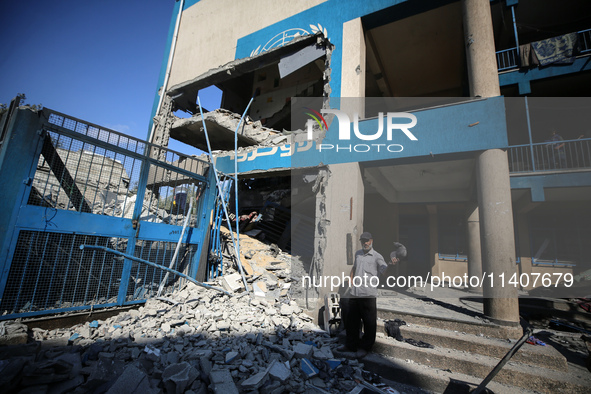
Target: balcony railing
x=508 y=59
x=546 y=156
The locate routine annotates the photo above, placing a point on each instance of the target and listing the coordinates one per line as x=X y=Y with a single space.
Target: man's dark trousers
x=361 y=309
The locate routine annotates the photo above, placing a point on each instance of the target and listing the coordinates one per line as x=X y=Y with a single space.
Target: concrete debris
x=255 y=381
x=308 y=369
x=232 y=282
x=194 y=340
x=302 y=350
x=178 y=377
x=132 y=380
x=220 y=125
x=280 y=371
x=13 y=333
x=222 y=382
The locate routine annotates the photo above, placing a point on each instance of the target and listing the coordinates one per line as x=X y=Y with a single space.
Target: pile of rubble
x=194 y=340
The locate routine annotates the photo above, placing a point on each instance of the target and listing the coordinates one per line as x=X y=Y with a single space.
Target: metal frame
x=44 y=271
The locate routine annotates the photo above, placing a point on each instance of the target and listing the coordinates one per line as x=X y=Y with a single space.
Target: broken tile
x=222 y=382
x=178 y=377
x=279 y=371
x=303 y=350
x=255 y=381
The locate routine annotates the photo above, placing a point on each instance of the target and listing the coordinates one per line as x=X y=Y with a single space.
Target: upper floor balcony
x=513 y=58
x=549 y=157
x=548 y=135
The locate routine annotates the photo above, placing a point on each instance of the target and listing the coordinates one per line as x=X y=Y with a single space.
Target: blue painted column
x=21 y=147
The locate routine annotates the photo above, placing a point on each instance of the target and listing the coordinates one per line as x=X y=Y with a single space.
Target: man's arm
x=381 y=264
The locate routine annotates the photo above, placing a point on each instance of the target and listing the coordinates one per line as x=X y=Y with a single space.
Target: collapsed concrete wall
x=300 y=68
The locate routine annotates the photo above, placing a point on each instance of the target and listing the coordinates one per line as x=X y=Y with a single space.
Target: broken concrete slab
x=178 y=377
x=232 y=282
x=303 y=350
x=324 y=353
x=279 y=371
x=259 y=289
x=231 y=356
x=132 y=380
x=13 y=333
x=11 y=369
x=255 y=381
x=222 y=382
x=221 y=125
x=46 y=372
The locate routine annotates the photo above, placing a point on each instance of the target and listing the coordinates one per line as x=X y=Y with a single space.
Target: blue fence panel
x=88 y=185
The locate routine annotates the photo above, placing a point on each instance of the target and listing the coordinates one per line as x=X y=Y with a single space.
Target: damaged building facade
x=481 y=190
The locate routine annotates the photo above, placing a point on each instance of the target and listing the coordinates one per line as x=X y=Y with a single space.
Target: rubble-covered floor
x=194 y=340
x=200 y=340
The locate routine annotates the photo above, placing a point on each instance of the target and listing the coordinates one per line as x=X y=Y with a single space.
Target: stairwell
x=465 y=351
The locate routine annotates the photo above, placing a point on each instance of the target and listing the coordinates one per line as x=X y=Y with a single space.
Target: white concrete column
x=494 y=190
x=480 y=48
x=344 y=190
x=353 y=60
x=474 y=252
x=433 y=240
x=497 y=237
x=344 y=202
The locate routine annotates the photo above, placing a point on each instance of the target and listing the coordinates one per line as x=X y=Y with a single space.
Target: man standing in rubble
x=367 y=268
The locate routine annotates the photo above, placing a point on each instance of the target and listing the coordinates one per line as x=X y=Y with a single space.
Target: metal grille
x=144 y=279
x=96 y=132
x=168 y=197
x=89 y=169
x=585 y=41
x=86 y=168
x=215 y=265
x=129 y=144
x=81 y=176
x=49 y=271
x=507 y=59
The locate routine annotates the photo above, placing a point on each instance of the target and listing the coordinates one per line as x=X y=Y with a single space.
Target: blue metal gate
x=87 y=185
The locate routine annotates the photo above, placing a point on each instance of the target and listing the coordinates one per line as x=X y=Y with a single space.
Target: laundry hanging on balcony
x=527 y=56
x=556 y=50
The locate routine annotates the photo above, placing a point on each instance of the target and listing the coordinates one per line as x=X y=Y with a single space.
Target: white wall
x=210 y=29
